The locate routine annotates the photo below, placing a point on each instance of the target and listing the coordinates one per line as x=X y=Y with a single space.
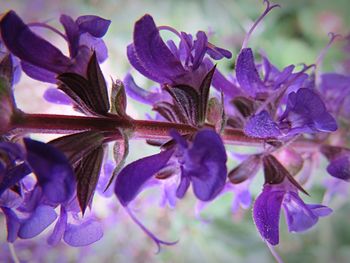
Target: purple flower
x=75 y=232
x=201 y=161
x=335 y=89
x=306 y=112
x=55 y=185
x=43 y=61
x=262 y=125
x=339 y=161
x=166 y=63
x=299 y=216
x=53 y=172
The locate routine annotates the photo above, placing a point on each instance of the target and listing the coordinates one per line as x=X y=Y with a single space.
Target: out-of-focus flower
x=43 y=61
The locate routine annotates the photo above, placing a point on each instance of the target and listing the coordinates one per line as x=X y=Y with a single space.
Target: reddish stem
x=142 y=129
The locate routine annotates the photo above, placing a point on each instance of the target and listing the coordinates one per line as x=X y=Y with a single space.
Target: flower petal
x=246 y=73
x=340 y=167
x=154 y=53
x=83 y=234
x=59 y=229
x=29 y=47
x=130 y=180
x=55 y=174
x=205 y=164
x=262 y=125
x=94 y=25
x=42 y=217
x=266 y=214
x=57 y=96
x=307 y=112
x=299 y=215
x=12 y=224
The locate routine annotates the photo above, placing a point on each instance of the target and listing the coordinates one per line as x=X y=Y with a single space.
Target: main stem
x=142 y=129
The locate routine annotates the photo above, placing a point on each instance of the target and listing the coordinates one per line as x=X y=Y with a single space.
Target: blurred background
x=292 y=34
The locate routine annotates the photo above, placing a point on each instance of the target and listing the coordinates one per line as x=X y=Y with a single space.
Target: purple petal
x=217 y=52
x=306 y=110
x=94 y=25
x=205 y=164
x=72 y=33
x=10 y=199
x=42 y=217
x=246 y=73
x=156 y=57
x=261 y=125
x=55 y=174
x=97 y=44
x=137 y=63
x=57 y=96
x=266 y=214
x=300 y=216
x=141 y=95
x=131 y=179
x=13 y=176
x=38 y=73
x=59 y=229
x=200 y=48
x=29 y=47
x=83 y=234
x=183 y=187
x=12 y=224
x=340 y=167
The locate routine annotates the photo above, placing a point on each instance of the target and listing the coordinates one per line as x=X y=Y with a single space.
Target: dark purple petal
x=261 y=125
x=83 y=234
x=266 y=214
x=340 y=167
x=183 y=187
x=59 y=229
x=137 y=63
x=200 y=48
x=38 y=73
x=72 y=33
x=246 y=73
x=205 y=164
x=55 y=174
x=29 y=47
x=13 y=176
x=56 y=96
x=181 y=141
x=217 y=52
x=94 y=25
x=42 y=217
x=299 y=215
x=306 y=110
x=12 y=224
x=156 y=57
x=130 y=180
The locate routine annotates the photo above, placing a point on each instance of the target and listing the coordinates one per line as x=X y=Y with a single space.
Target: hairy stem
x=142 y=129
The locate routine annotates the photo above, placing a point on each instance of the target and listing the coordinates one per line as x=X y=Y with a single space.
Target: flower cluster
x=288 y=116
